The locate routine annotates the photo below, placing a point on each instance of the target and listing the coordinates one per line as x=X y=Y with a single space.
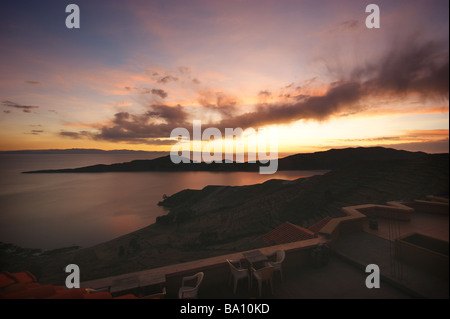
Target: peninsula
x=325 y=160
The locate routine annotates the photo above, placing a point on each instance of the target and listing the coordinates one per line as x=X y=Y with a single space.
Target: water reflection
x=55 y=210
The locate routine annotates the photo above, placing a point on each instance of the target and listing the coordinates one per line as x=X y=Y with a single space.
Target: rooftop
x=287 y=233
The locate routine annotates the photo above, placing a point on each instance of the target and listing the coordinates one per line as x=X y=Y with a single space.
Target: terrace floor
x=431 y=224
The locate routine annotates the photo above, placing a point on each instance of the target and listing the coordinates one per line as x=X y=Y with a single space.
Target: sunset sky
x=135 y=70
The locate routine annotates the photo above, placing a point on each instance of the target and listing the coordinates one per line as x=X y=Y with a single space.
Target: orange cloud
x=395 y=111
x=96 y=125
x=119 y=104
x=428 y=134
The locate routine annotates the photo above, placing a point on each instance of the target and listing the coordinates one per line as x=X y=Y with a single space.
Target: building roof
x=287 y=233
x=319 y=225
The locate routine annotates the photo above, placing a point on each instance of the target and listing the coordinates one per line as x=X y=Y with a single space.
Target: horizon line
x=168 y=152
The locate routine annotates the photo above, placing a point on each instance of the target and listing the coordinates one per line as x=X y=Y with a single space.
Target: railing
x=215 y=268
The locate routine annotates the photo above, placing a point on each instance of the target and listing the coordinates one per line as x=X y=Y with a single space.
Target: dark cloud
x=161 y=93
x=76 y=135
x=182 y=75
x=6 y=111
x=184 y=70
x=167 y=79
x=32 y=82
x=148 y=127
x=341 y=96
x=186 y=73
x=289 y=86
x=301 y=96
x=171 y=114
x=219 y=102
x=158 y=122
x=350 y=24
x=25 y=108
x=412 y=67
x=35 y=132
x=346 y=27
x=264 y=93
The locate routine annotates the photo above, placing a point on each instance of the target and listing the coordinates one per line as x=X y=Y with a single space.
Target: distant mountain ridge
x=335 y=158
x=330 y=159
x=80 y=151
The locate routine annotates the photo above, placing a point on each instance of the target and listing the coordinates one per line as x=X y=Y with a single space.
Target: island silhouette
x=324 y=160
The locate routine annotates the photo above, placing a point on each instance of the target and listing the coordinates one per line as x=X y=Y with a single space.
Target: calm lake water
x=56 y=210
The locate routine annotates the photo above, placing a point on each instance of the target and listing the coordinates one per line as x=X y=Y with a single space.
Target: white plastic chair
x=263 y=275
x=189 y=292
x=277 y=264
x=238 y=273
